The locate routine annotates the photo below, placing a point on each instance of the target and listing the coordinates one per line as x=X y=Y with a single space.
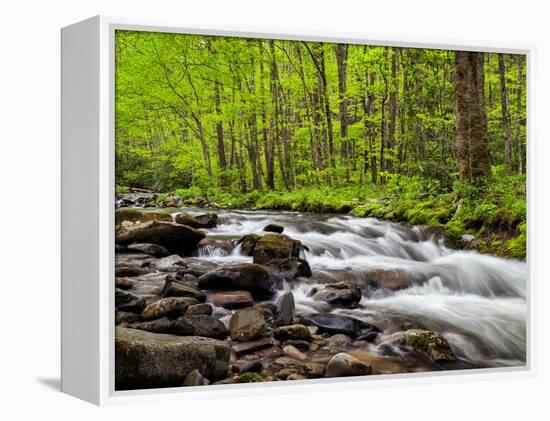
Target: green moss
x=249 y=378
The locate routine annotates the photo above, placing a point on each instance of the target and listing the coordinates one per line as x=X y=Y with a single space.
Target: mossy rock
x=139 y=216
x=276 y=246
x=430 y=343
x=249 y=378
x=248 y=243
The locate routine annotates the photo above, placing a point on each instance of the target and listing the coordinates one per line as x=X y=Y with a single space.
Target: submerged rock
x=250 y=277
x=177 y=238
x=245 y=347
x=276 y=246
x=207 y=220
x=336 y=323
x=430 y=343
x=149 y=360
x=274 y=228
x=343 y=365
x=246 y=324
x=340 y=294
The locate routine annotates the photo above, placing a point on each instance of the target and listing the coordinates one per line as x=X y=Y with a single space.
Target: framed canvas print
x=246 y=210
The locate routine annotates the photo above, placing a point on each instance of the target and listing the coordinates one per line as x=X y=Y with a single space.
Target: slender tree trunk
x=222 y=163
x=393 y=111
x=345 y=153
x=505 y=114
x=519 y=139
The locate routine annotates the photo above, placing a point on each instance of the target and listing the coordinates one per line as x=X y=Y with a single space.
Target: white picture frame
x=88 y=213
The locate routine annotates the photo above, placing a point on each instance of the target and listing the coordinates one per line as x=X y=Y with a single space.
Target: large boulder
x=340 y=294
x=430 y=343
x=249 y=277
x=148 y=360
x=230 y=300
x=200 y=325
x=171 y=307
x=177 y=238
x=276 y=246
x=337 y=323
x=135 y=216
x=343 y=364
x=207 y=220
x=248 y=243
x=246 y=324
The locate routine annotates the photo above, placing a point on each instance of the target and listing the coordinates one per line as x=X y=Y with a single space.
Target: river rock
x=247 y=366
x=125 y=317
x=246 y=324
x=230 y=299
x=276 y=246
x=340 y=294
x=251 y=346
x=181 y=289
x=430 y=343
x=151 y=249
x=274 y=228
x=177 y=238
x=200 y=325
x=194 y=378
x=124 y=283
x=389 y=279
x=139 y=216
x=285 y=308
x=337 y=323
x=170 y=307
x=295 y=331
x=126 y=301
x=343 y=365
x=149 y=360
x=199 y=309
x=249 y=378
x=207 y=220
x=339 y=340
x=248 y=243
x=250 y=277
x=162 y=325
x=293 y=352
x=122 y=271
x=290 y=268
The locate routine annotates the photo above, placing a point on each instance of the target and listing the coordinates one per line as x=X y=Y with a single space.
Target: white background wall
x=29 y=205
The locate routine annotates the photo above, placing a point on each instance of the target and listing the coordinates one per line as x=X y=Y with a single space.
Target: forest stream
x=408 y=280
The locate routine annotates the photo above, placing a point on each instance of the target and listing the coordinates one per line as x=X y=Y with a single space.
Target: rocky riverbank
x=196 y=305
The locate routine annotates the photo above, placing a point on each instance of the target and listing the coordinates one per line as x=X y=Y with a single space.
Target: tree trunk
x=472 y=148
x=519 y=140
x=341 y=57
x=505 y=114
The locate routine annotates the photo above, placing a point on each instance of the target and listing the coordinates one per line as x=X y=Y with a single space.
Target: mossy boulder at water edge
x=177 y=238
x=150 y=360
x=248 y=243
x=276 y=246
x=430 y=343
x=139 y=216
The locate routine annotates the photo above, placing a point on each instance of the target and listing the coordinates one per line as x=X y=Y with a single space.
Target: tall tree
x=472 y=149
x=506 y=129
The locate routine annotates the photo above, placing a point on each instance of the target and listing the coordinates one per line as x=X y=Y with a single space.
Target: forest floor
x=489 y=217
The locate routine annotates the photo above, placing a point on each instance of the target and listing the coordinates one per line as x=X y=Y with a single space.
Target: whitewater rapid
x=478 y=302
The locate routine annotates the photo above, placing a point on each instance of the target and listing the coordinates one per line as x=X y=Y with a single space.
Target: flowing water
x=478 y=302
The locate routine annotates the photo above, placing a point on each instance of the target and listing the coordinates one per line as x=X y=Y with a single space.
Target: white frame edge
x=88 y=204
